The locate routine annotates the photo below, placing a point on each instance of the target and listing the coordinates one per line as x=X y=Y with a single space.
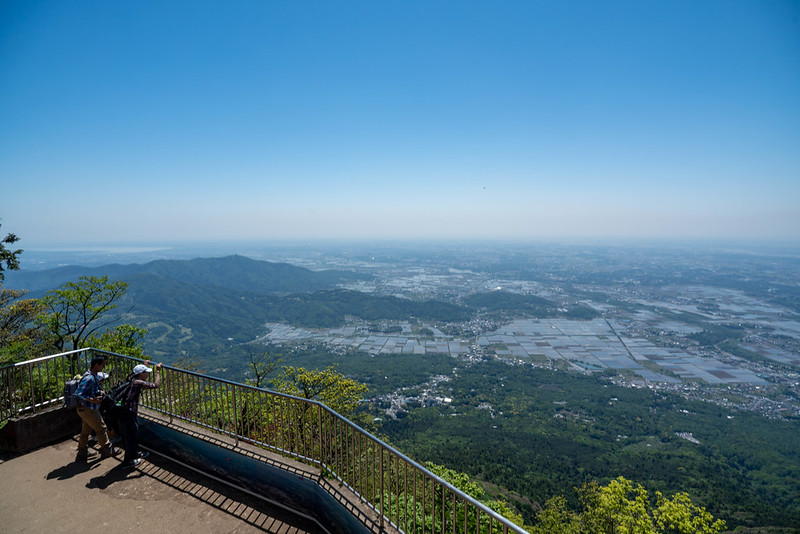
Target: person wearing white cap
x=130 y=412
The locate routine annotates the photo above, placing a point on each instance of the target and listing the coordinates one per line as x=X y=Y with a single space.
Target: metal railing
x=403 y=493
x=34 y=385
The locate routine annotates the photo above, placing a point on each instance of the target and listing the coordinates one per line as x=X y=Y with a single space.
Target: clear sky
x=146 y=121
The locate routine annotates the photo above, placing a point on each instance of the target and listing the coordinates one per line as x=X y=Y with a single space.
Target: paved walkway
x=46 y=491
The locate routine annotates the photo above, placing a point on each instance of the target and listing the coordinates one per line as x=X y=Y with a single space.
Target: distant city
x=650 y=302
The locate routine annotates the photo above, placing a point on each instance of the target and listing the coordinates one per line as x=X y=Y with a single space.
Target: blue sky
x=144 y=122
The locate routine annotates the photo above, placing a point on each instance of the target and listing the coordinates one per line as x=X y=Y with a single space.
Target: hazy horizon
x=145 y=123
x=263 y=249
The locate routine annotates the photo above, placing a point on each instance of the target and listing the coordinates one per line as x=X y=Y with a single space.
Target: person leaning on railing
x=130 y=412
x=89 y=396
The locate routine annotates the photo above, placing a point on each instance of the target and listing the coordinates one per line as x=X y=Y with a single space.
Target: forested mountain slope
x=182 y=317
x=230 y=272
x=205 y=304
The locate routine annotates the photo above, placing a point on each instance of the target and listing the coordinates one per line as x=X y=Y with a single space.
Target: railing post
x=30 y=378
x=381 y=484
x=170 y=395
x=235 y=417
x=321 y=441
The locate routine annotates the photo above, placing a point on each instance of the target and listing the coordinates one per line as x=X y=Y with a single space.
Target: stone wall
x=22 y=434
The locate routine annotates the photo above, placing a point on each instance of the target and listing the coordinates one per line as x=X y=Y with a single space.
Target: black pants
x=130 y=433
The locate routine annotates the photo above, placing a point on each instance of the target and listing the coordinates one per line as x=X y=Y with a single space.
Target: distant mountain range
x=195 y=305
x=230 y=272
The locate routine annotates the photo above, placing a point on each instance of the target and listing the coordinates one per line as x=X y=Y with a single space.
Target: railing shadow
x=253 y=511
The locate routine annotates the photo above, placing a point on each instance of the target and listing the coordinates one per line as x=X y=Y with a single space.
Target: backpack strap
x=82 y=402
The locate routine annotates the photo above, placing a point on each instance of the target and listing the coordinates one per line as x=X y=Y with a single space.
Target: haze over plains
x=143 y=122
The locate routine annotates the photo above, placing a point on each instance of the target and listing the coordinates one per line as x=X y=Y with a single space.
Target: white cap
x=141 y=368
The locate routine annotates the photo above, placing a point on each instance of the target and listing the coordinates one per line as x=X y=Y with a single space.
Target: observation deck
x=46 y=491
x=251 y=459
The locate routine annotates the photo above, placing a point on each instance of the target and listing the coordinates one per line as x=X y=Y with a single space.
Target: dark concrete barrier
x=28 y=432
x=294 y=492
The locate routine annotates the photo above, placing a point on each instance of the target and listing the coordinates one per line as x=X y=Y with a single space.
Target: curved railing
x=402 y=492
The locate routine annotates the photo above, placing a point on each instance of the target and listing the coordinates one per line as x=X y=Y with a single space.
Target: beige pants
x=92 y=421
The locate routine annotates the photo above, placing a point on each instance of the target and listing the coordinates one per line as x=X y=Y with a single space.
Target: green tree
x=460 y=480
x=557 y=518
x=76 y=311
x=457 y=516
x=261 y=366
x=123 y=339
x=7 y=256
x=618 y=508
x=624 y=508
x=341 y=394
x=21 y=337
x=507 y=511
x=680 y=516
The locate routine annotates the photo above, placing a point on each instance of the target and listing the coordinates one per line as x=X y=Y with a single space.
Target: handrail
x=403 y=493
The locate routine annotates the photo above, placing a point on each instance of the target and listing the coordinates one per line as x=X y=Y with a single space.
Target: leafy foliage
x=474 y=490
x=74 y=311
x=123 y=339
x=622 y=507
x=261 y=366
x=20 y=337
x=340 y=394
x=8 y=256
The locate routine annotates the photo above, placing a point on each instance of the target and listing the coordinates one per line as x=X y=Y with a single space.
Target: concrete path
x=46 y=491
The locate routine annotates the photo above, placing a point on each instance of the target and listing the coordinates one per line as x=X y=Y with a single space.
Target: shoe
x=132 y=463
x=142 y=454
x=107 y=453
x=82 y=456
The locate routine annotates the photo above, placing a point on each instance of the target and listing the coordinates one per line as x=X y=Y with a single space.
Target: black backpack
x=112 y=401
